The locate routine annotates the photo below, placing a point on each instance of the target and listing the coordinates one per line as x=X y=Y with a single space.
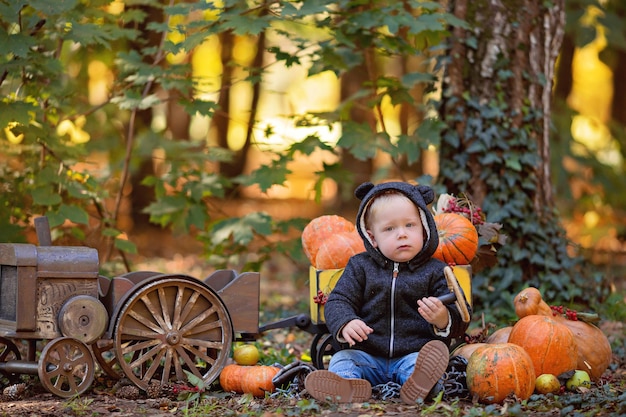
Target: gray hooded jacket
x=368 y=290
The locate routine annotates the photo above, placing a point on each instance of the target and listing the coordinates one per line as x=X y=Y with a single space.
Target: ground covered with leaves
x=108 y=397
x=607 y=397
x=280 y=299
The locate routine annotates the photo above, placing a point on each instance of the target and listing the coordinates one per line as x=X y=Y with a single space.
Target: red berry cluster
x=473 y=213
x=320 y=298
x=560 y=311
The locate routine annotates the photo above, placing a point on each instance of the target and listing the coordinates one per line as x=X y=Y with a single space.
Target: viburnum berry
x=320 y=298
x=557 y=310
x=571 y=315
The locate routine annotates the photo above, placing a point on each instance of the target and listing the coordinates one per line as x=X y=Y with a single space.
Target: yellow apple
x=579 y=379
x=246 y=355
x=547 y=383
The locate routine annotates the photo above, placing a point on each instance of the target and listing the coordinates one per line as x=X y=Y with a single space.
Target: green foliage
x=79 y=406
x=53 y=129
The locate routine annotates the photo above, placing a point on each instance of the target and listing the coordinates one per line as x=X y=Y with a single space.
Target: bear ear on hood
x=362 y=190
x=427 y=193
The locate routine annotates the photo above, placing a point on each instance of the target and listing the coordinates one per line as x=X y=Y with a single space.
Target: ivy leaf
x=513 y=162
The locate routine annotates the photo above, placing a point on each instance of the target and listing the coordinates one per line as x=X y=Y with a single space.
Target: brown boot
x=328 y=386
x=430 y=365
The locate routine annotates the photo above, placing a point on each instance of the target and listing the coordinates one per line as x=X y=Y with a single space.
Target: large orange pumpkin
x=336 y=250
x=258 y=380
x=549 y=344
x=495 y=371
x=594 y=348
x=321 y=228
x=458 y=239
x=231 y=377
x=255 y=379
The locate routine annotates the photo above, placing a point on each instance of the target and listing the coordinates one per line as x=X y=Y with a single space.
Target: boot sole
x=430 y=365
x=328 y=386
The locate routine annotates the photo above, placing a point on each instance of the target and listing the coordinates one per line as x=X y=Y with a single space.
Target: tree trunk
x=497 y=102
x=526 y=39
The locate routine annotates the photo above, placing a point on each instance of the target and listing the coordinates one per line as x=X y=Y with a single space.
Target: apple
x=579 y=379
x=547 y=383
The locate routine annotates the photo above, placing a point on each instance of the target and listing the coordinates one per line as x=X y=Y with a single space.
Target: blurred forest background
x=220 y=128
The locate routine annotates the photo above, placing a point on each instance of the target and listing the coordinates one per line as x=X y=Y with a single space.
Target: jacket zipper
x=393 y=306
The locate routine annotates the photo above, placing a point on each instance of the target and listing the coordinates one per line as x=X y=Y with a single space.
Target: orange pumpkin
x=458 y=239
x=500 y=336
x=495 y=371
x=336 y=250
x=594 y=349
x=549 y=344
x=258 y=380
x=321 y=228
x=231 y=377
x=255 y=379
x=529 y=302
x=467 y=349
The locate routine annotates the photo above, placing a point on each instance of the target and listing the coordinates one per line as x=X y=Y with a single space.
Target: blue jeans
x=352 y=363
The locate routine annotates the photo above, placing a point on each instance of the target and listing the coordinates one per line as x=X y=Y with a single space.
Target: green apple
x=547 y=383
x=579 y=379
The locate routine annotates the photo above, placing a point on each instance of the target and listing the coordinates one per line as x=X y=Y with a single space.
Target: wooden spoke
x=104 y=353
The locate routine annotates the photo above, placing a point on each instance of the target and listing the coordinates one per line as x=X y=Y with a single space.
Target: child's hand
x=355 y=331
x=433 y=310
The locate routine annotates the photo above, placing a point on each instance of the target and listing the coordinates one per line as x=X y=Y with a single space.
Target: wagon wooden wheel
x=8 y=352
x=66 y=367
x=171 y=325
x=104 y=353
